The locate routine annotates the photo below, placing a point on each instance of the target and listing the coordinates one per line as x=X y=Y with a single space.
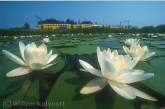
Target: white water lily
x=138 y=51
x=33 y=59
x=131 y=41
x=46 y=40
x=117 y=73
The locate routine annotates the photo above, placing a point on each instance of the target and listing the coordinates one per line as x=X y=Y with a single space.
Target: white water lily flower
x=33 y=59
x=124 y=60
x=118 y=74
x=131 y=41
x=138 y=51
x=46 y=40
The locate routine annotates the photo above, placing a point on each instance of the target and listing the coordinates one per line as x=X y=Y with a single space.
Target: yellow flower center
x=140 y=50
x=40 y=51
x=121 y=65
x=32 y=50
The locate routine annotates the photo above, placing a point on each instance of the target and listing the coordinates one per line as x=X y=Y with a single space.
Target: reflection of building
x=75 y=26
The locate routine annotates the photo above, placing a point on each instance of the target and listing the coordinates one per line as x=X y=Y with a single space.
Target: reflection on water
x=110 y=44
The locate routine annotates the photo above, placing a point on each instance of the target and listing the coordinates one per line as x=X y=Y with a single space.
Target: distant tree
x=86 y=22
x=69 y=21
x=79 y=22
x=160 y=29
x=147 y=29
x=26 y=26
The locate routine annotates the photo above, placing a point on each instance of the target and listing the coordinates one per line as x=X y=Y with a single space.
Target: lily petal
x=14 y=58
x=90 y=68
x=143 y=54
x=36 y=66
x=94 y=85
x=140 y=94
x=33 y=46
x=149 y=55
x=116 y=62
x=127 y=59
x=84 y=70
x=19 y=71
x=114 y=53
x=135 y=78
x=136 y=72
x=122 y=90
x=122 y=73
x=131 y=64
x=28 y=57
x=52 y=57
x=22 y=48
x=105 y=56
x=126 y=49
x=42 y=47
x=48 y=57
x=48 y=65
x=107 y=69
x=99 y=55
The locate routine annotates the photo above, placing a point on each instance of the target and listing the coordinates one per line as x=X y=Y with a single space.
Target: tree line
x=25 y=31
x=68 y=21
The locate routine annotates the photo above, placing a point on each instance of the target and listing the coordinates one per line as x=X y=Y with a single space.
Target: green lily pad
x=155 y=66
x=80 y=50
x=32 y=94
x=156 y=83
x=60 y=64
x=55 y=50
x=160 y=46
x=121 y=102
x=18 y=95
x=147 y=107
x=63 y=94
x=9 y=85
x=158 y=52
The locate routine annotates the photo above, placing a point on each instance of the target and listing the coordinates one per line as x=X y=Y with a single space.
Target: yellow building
x=75 y=26
x=54 y=26
x=114 y=26
x=106 y=26
x=86 y=26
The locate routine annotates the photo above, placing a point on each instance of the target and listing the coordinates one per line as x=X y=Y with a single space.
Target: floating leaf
x=122 y=103
x=32 y=94
x=18 y=95
x=64 y=96
x=155 y=66
x=60 y=63
x=80 y=50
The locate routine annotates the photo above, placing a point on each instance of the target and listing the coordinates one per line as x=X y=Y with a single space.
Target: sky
x=139 y=13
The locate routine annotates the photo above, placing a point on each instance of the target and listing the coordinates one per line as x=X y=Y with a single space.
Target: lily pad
x=63 y=94
x=9 y=85
x=158 y=52
x=121 y=102
x=155 y=66
x=60 y=64
x=18 y=95
x=32 y=94
x=80 y=50
x=160 y=46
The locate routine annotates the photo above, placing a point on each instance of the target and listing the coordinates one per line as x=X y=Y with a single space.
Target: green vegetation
x=61 y=83
x=25 y=30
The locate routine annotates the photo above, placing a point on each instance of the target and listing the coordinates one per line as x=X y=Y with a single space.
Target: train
x=76 y=26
